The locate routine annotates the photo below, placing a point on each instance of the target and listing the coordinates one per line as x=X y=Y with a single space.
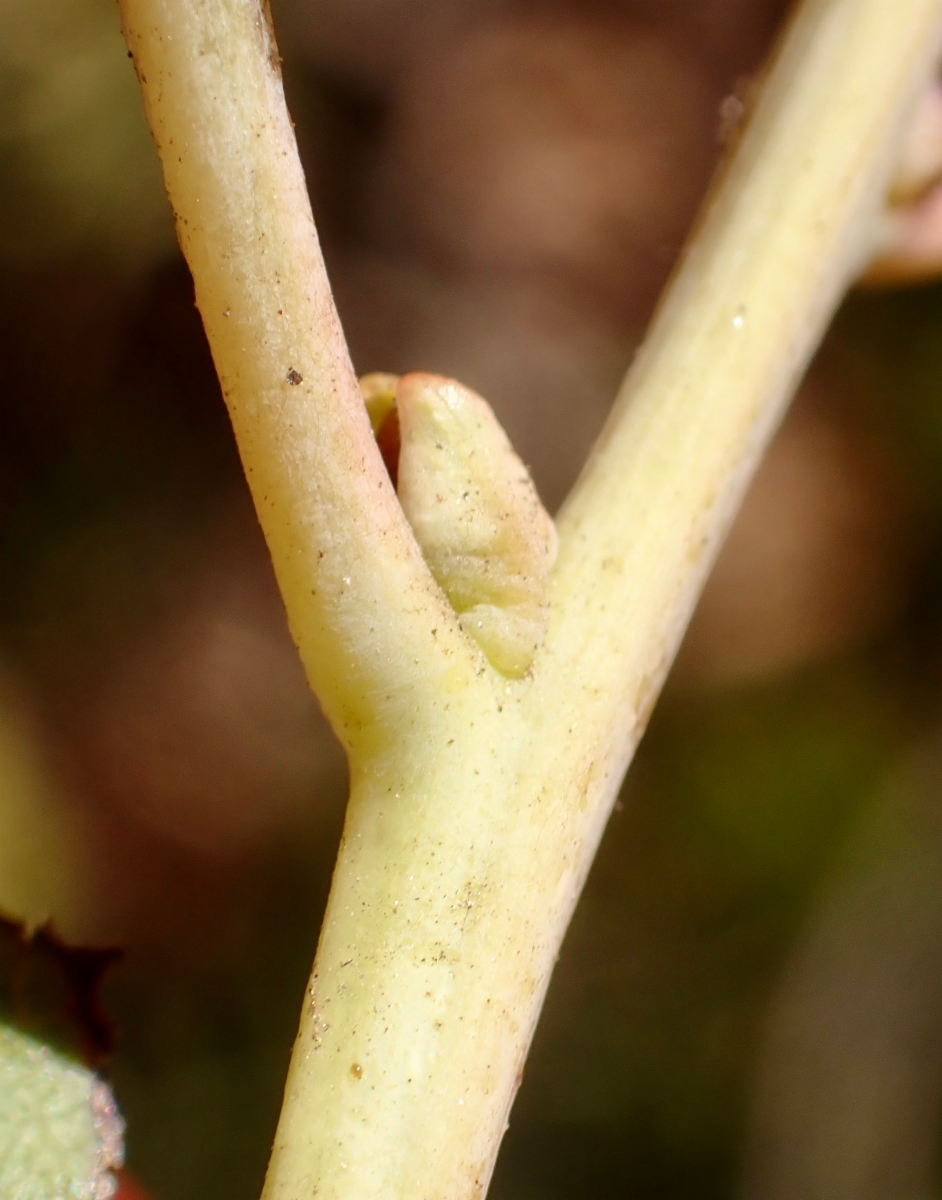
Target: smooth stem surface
x=477 y=803
x=787 y=228
x=360 y=601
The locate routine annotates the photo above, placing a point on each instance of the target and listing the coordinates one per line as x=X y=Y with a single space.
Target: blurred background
x=749 y=1003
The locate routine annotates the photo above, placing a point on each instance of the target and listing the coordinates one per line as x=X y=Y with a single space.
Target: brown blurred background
x=749 y=1004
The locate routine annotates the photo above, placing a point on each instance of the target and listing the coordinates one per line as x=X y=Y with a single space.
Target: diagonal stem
x=791 y=221
x=361 y=602
x=476 y=802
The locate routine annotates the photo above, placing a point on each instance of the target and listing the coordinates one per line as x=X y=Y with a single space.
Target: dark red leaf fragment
x=51 y=990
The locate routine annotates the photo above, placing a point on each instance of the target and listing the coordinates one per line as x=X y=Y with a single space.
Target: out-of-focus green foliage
x=59 y=1133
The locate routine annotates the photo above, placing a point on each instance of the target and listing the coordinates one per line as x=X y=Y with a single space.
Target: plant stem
x=477 y=802
x=361 y=602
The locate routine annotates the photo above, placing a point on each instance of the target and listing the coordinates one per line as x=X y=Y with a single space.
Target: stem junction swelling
x=479 y=791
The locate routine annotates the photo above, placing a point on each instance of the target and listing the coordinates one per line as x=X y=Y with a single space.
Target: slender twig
x=477 y=801
x=360 y=600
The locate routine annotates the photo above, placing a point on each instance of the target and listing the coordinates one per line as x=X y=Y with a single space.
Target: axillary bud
x=489 y=542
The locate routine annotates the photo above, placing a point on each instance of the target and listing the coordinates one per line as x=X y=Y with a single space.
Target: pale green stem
x=360 y=600
x=477 y=803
